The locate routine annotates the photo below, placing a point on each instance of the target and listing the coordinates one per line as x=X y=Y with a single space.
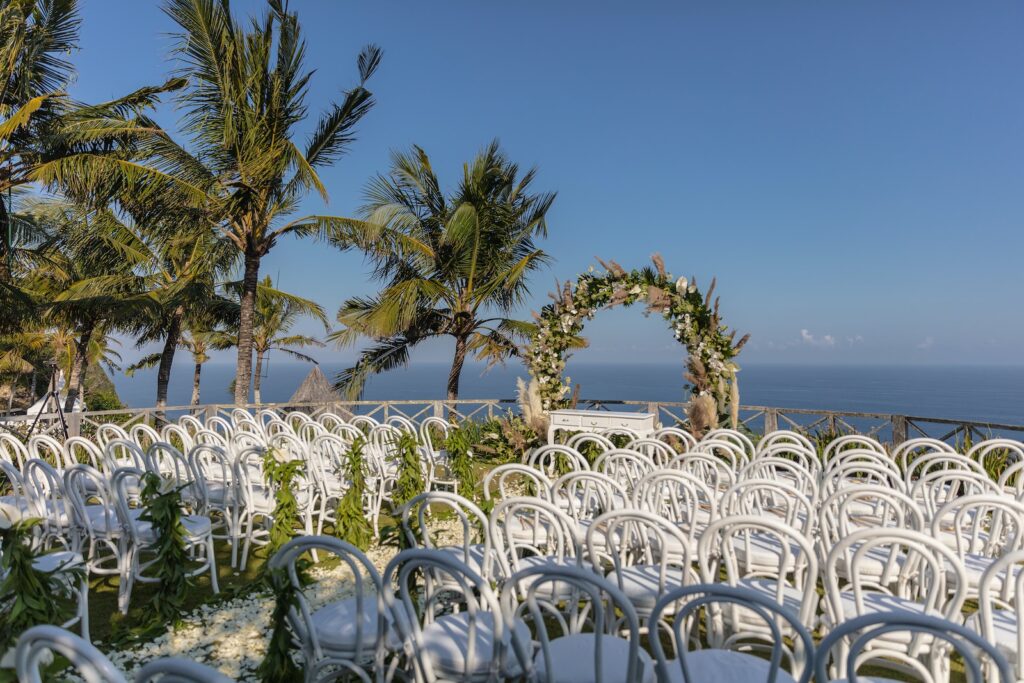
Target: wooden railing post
x=771 y=421
x=899 y=429
x=438 y=409
x=75 y=424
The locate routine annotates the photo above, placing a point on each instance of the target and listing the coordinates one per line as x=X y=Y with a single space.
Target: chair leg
x=83 y=607
x=212 y=559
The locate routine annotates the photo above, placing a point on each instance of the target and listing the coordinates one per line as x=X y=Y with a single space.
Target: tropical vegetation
x=454 y=265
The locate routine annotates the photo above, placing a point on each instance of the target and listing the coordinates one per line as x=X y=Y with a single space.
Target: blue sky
x=853 y=173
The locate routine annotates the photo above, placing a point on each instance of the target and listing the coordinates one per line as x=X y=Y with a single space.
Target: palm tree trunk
x=163 y=373
x=243 y=372
x=456 y=371
x=257 y=378
x=5 y=245
x=78 y=368
x=32 y=387
x=195 y=383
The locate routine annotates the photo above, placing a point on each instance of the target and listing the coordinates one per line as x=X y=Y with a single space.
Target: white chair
x=554 y=460
x=765 y=556
x=141 y=535
x=36 y=643
x=785 y=437
x=911 y=449
x=644 y=554
x=680 y=498
x=48 y=449
x=108 y=432
x=82 y=450
x=590 y=443
x=851 y=442
x=99 y=534
x=940 y=487
x=530 y=532
x=62 y=565
x=919 y=574
x=981 y=529
x=995 y=455
x=468 y=644
x=734 y=437
x=513 y=480
x=474 y=549
x=771 y=499
x=713 y=472
x=853 y=508
x=1001 y=609
x=178 y=670
x=791 y=473
x=12 y=450
x=932 y=666
x=591 y=635
x=44 y=487
x=660 y=453
x=143 y=435
x=678 y=438
x=122 y=453
x=733 y=454
x=728 y=656
x=344 y=633
x=586 y=495
x=624 y=466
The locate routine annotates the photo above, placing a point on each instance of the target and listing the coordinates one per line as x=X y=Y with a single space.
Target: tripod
x=51 y=395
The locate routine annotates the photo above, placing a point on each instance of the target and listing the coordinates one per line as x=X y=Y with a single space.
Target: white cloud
x=810 y=340
x=928 y=343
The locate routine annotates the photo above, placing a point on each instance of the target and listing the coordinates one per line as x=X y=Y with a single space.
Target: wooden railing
x=888 y=428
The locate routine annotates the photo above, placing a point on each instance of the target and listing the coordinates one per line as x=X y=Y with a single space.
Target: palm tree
x=275 y=316
x=199 y=341
x=453 y=266
x=89 y=275
x=185 y=266
x=46 y=137
x=245 y=97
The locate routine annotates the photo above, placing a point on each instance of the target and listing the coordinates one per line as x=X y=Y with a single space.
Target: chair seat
x=58 y=561
x=104 y=521
x=723 y=666
x=551 y=589
x=763 y=550
x=195 y=527
x=1006 y=627
x=446 y=645
x=642 y=583
x=792 y=598
x=875 y=603
x=336 y=626
x=19 y=503
x=573 y=661
x=974 y=566
x=475 y=559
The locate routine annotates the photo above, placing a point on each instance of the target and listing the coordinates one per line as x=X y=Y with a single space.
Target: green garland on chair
x=162 y=509
x=278 y=665
x=410 y=476
x=350 y=522
x=280 y=474
x=459 y=446
x=28 y=596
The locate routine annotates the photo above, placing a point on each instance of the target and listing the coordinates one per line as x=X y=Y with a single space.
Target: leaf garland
x=410 y=476
x=29 y=596
x=280 y=474
x=278 y=665
x=459 y=446
x=351 y=523
x=162 y=509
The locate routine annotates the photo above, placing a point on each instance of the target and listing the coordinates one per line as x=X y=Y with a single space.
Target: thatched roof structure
x=315 y=389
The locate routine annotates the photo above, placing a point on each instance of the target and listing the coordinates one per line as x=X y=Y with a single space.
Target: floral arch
x=692 y=316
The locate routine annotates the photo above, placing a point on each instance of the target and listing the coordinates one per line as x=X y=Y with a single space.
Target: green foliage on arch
x=693 y=317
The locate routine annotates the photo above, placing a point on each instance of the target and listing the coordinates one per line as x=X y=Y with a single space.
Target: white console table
x=598 y=421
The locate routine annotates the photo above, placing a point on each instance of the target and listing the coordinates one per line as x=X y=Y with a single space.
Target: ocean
x=976 y=393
